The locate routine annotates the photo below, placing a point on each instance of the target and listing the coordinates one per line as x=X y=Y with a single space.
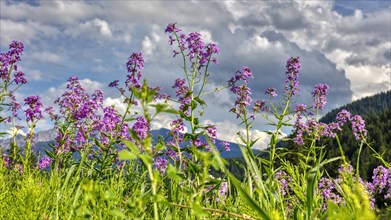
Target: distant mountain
x=45 y=138
x=41 y=137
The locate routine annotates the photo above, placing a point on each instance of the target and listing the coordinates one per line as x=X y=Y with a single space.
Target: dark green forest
x=375 y=110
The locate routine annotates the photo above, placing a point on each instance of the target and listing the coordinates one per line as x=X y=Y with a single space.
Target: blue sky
x=345 y=44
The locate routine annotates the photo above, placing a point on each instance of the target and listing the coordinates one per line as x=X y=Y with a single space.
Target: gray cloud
x=94 y=39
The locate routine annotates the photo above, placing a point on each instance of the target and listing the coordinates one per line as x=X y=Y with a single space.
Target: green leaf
x=159 y=107
x=311 y=184
x=158 y=198
x=183 y=115
x=136 y=92
x=117 y=213
x=150 y=95
x=146 y=159
x=247 y=198
x=159 y=147
x=170 y=111
x=131 y=146
x=202 y=102
x=126 y=155
x=198 y=210
x=193 y=104
x=172 y=173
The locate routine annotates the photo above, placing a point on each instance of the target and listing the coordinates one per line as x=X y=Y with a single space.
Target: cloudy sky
x=345 y=44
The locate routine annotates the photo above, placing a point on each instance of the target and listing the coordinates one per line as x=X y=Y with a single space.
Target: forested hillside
x=376 y=111
x=366 y=106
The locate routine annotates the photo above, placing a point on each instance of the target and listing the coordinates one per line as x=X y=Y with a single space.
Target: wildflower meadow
x=106 y=165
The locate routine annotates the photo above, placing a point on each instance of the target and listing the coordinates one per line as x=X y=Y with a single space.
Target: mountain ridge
x=45 y=138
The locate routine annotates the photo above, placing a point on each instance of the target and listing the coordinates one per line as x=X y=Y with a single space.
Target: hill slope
x=376 y=111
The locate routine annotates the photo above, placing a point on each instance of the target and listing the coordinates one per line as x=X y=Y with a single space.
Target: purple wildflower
x=177 y=125
x=347 y=169
x=182 y=93
x=343 y=116
x=7 y=160
x=226 y=146
x=212 y=131
x=381 y=181
x=260 y=105
x=283 y=180
x=44 y=162
x=192 y=46
x=114 y=83
x=171 y=28
x=243 y=74
x=34 y=112
x=160 y=164
x=319 y=96
x=329 y=192
x=141 y=127
x=19 y=78
x=134 y=64
x=223 y=189
x=271 y=91
x=242 y=101
x=300 y=108
x=292 y=75
x=358 y=125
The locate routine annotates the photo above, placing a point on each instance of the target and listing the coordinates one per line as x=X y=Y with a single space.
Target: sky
x=346 y=44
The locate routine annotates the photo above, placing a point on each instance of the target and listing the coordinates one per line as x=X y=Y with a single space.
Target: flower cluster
x=141 y=128
x=82 y=111
x=319 y=129
x=313 y=128
x=319 y=96
x=283 y=180
x=329 y=192
x=292 y=75
x=134 y=65
x=9 y=74
x=381 y=182
x=9 y=61
x=193 y=46
x=182 y=92
x=44 y=162
x=33 y=113
x=358 y=124
x=222 y=191
x=160 y=164
x=226 y=146
x=243 y=92
x=271 y=92
x=111 y=123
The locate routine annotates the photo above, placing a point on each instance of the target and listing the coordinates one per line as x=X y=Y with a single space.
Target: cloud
x=12 y=132
x=95 y=29
x=45 y=56
x=228 y=131
x=25 y=31
x=93 y=39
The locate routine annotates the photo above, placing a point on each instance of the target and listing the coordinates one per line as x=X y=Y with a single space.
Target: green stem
x=340 y=149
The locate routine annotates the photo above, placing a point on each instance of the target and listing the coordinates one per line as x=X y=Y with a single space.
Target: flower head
x=34 y=112
x=358 y=125
x=44 y=162
x=319 y=95
x=292 y=75
x=271 y=92
x=141 y=127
